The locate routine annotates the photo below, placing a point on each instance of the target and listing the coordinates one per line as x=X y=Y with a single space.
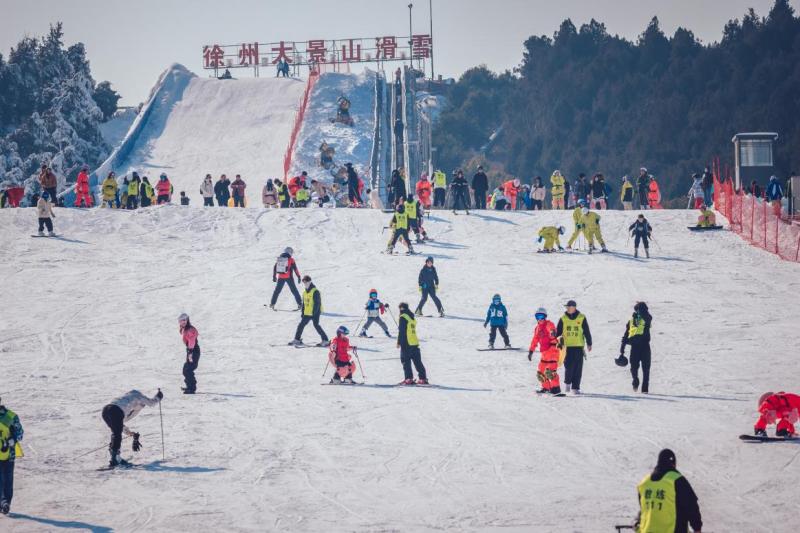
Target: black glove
x=530 y=354
x=159 y=395
x=136 y=444
x=273 y=279
x=4 y=446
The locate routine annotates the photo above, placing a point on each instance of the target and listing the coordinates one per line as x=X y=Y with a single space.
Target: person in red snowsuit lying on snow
x=339 y=357
x=782 y=408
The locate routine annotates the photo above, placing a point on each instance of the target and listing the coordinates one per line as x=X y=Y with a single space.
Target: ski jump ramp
x=192 y=126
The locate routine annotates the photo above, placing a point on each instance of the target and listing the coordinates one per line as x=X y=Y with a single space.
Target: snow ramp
x=193 y=126
x=352 y=143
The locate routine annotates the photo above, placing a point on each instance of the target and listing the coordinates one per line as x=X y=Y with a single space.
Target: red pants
x=783 y=423
x=547 y=373
x=699 y=202
x=83 y=196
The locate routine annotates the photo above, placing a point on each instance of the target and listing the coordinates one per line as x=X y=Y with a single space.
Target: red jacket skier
x=510 y=190
x=544 y=336
x=782 y=408
x=82 y=188
x=163 y=189
x=339 y=357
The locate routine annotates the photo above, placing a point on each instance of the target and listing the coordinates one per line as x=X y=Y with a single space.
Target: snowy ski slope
x=204 y=125
x=265 y=447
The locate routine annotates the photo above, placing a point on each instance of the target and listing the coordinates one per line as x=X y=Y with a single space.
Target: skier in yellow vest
x=311 y=311
x=10 y=435
x=577 y=218
x=591 y=229
x=439 y=188
x=558 y=190
x=667 y=502
x=550 y=236
x=399 y=226
x=408 y=342
x=574 y=329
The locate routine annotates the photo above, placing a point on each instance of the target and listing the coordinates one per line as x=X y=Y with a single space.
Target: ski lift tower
x=753 y=154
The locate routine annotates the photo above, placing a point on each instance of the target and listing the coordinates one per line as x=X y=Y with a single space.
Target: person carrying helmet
x=781 y=408
x=557 y=190
x=189 y=336
x=11 y=434
x=163 y=190
x=510 y=190
x=637 y=335
x=544 y=336
x=408 y=343
x=428 y=281
x=82 y=188
x=550 y=235
x=667 y=501
x=122 y=410
x=591 y=229
x=339 y=357
x=375 y=308
x=312 y=309
x=641 y=230
x=577 y=219
x=399 y=226
x=285 y=266
x=574 y=330
x=497 y=317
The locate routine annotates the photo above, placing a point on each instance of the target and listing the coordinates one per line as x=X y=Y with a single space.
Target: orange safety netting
x=758 y=221
x=298 y=122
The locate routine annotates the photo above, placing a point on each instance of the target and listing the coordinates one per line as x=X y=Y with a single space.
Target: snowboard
x=758 y=438
x=282 y=310
x=698 y=228
x=54 y=236
x=497 y=349
x=124 y=466
x=344 y=384
x=385 y=252
x=299 y=346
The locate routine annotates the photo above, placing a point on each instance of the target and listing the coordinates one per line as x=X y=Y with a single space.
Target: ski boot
x=636 y=385
x=41 y=233
x=507 y=346
x=591 y=249
x=363 y=333
x=389 y=251
x=349 y=380
x=387 y=333
x=407 y=382
x=647 y=252
x=603 y=249
x=325 y=342
x=418 y=312
x=560 y=249
x=422 y=381
x=295 y=342
x=441 y=312
x=542 y=391
x=576 y=392
x=636 y=253
x=4 y=507
x=491 y=346
x=760 y=433
x=272 y=306
x=336 y=380
x=783 y=432
x=569 y=248
x=187 y=390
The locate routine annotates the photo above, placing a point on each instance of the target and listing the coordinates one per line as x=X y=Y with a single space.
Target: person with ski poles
x=399 y=226
x=120 y=411
x=641 y=231
x=283 y=271
x=573 y=328
x=414 y=211
x=11 y=433
x=189 y=336
x=374 y=309
x=781 y=409
x=311 y=311
x=460 y=189
x=408 y=343
x=428 y=281
x=339 y=357
x=544 y=336
x=637 y=335
x=667 y=501
x=497 y=317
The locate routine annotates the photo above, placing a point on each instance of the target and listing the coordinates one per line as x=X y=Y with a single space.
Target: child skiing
x=189 y=336
x=399 y=226
x=339 y=357
x=497 y=316
x=375 y=308
x=637 y=334
x=282 y=271
x=44 y=210
x=549 y=234
x=781 y=408
x=408 y=343
x=707 y=218
x=428 y=281
x=544 y=336
x=641 y=230
x=122 y=410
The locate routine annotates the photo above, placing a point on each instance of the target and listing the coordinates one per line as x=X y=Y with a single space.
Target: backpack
x=282 y=265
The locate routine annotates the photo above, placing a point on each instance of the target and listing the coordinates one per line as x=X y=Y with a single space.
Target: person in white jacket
x=122 y=410
x=207 y=190
x=44 y=210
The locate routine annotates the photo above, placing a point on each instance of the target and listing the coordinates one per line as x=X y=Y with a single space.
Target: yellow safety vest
x=401 y=220
x=5 y=434
x=635 y=329
x=283 y=191
x=133 y=189
x=148 y=190
x=411 y=331
x=308 y=302
x=411 y=209
x=439 y=180
x=573 y=330
x=657 y=501
x=302 y=195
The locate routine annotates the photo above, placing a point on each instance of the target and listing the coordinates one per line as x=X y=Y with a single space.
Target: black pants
x=352 y=195
x=292 y=287
x=573 y=366
x=480 y=199
x=460 y=198
x=132 y=202
x=302 y=325
x=52 y=192
x=162 y=199
x=238 y=201
x=46 y=222
x=114 y=417
x=208 y=202
x=6 y=481
x=222 y=201
x=189 y=368
x=438 y=197
x=377 y=320
x=536 y=205
x=409 y=354
x=400 y=232
x=643 y=203
x=641 y=355
x=643 y=239
x=285 y=202
x=429 y=291
x=493 y=334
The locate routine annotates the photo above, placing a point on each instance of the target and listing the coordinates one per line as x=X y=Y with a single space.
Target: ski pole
x=393 y=318
x=360 y=320
x=327 y=363
x=361 y=368
x=654 y=242
x=161 y=416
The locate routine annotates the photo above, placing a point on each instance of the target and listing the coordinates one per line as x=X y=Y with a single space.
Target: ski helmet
x=496 y=299
x=429 y=259
x=373 y=291
x=183 y=316
x=585 y=210
x=561 y=230
x=410 y=198
x=288 y=250
x=342 y=331
x=45 y=195
x=763 y=398
x=581 y=202
x=541 y=313
x=621 y=360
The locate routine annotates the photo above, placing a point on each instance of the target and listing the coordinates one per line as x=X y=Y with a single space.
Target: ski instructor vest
x=573 y=330
x=401 y=220
x=411 y=209
x=657 y=500
x=411 y=331
x=5 y=434
x=308 y=302
x=635 y=327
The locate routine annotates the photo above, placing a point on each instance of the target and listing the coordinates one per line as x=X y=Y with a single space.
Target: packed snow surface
x=264 y=447
x=202 y=126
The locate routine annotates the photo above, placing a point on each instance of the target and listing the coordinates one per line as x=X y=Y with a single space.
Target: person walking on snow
x=550 y=236
x=460 y=189
x=557 y=191
x=696 y=191
x=641 y=230
x=591 y=228
x=573 y=328
x=312 y=309
x=637 y=334
x=480 y=185
x=82 y=188
x=408 y=343
x=44 y=210
x=122 y=410
x=221 y=190
x=439 y=188
x=497 y=317
x=10 y=436
x=163 y=190
x=399 y=227
x=781 y=408
x=282 y=271
x=428 y=281
x=375 y=308
x=237 y=188
x=48 y=181
x=269 y=195
x=544 y=336
x=339 y=357
x=667 y=502
x=207 y=191
x=414 y=212
x=189 y=336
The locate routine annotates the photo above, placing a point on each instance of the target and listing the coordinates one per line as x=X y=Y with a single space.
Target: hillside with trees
x=586 y=101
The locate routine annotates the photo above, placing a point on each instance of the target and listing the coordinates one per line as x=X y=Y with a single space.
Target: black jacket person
x=428 y=281
x=637 y=334
x=408 y=343
x=666 y=499
x=573 y=328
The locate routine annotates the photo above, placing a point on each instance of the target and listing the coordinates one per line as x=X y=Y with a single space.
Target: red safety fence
x=298 y=122
x=758 y=221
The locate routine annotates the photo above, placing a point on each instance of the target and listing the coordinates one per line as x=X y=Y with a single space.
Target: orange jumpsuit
x=781 y=408
x=544 y=335
x=424 y=192
x=654 y=196
x=510 y=192
x=82 y=190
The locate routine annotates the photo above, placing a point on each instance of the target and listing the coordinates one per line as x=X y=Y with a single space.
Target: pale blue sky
x=131 y=42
